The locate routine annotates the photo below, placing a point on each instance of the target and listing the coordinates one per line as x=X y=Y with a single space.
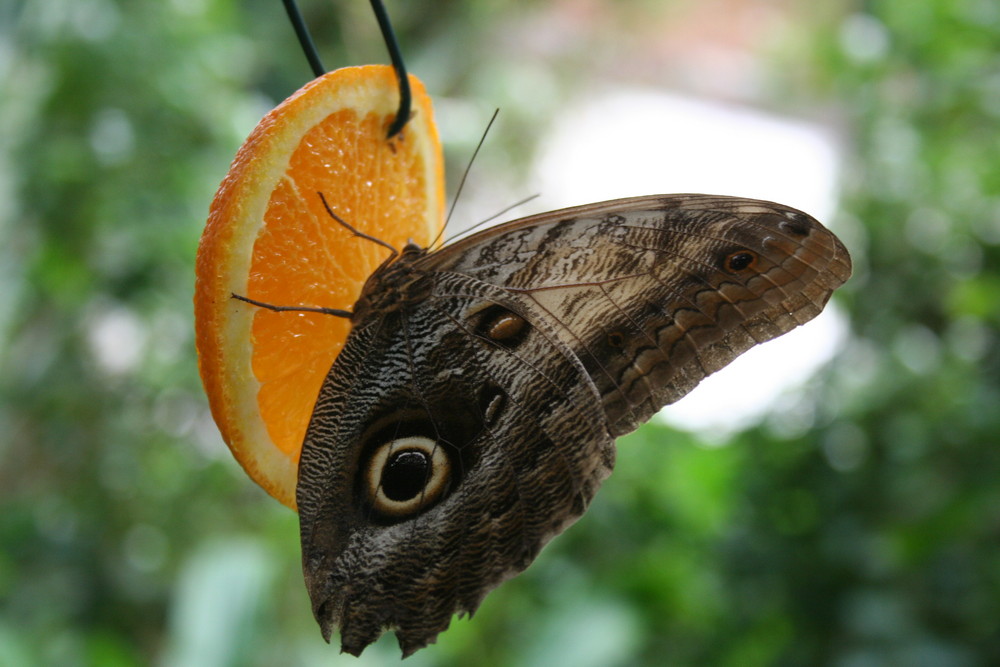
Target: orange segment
x=268 y=237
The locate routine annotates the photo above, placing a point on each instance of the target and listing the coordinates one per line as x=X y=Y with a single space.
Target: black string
x=309 y=49
x=403 y=113
x=305 y=39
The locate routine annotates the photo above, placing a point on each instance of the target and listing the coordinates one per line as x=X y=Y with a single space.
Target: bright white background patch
x=634 y=142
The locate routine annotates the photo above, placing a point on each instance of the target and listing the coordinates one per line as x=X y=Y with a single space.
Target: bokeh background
x=855 y=522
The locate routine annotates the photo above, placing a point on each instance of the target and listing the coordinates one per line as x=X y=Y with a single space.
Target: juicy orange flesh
x=303 y=257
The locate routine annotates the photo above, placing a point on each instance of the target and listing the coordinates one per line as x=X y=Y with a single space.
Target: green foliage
x=130 y=537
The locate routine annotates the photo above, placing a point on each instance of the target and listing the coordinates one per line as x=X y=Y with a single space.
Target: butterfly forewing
x=651 y=293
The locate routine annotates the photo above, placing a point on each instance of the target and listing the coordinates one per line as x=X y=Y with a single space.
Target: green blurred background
x=858 y=524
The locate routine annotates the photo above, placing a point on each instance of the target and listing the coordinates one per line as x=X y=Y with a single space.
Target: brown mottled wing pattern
x=640 y=290
x=520 y=353
x=521 y=425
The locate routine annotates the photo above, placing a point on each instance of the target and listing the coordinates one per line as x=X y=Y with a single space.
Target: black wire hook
x=305 y=39
x=405 y=97
x=309 y=49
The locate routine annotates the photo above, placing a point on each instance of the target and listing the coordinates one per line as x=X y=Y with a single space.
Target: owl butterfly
x=472 y=413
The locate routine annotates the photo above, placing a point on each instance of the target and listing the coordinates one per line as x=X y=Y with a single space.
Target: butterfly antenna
x=353 y=230
x=292 y=309
x=465 y=176
x=496 y=215
x=305 y=39
x=405 y=98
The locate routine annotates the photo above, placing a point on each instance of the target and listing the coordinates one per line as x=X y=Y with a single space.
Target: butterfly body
x=472 y=413
x=397 y=283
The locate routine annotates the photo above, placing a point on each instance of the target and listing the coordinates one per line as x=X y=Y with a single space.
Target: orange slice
x=269 y=238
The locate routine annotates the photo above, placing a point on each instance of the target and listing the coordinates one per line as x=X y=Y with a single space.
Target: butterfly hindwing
x=513 y=412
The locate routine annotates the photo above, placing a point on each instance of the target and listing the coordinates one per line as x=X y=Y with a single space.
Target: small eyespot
x=796 y=224
x=492 y=401
x=503 y=327
x=616 y=340
x=407 y=475
x=740 y=260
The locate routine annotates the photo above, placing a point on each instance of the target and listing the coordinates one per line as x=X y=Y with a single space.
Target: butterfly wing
x=655 y=293
x=471 y=414
x=506 y=419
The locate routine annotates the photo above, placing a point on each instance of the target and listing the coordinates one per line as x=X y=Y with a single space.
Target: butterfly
x=472 y=413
